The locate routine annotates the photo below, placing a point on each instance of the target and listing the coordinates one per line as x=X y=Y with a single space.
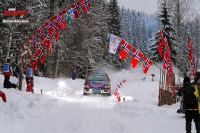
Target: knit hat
x=186 y=79
x=8 y=59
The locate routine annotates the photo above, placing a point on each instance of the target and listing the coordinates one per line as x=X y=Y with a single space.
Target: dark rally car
x=97 y=83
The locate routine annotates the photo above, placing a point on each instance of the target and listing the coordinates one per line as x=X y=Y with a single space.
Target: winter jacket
x=180 y=91
x=7 y=69
x=188 y=86
x=73 y=73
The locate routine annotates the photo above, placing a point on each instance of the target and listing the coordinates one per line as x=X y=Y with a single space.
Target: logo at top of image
x=15 y=10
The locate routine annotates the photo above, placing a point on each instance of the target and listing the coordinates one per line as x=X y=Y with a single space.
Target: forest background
x=84 y=44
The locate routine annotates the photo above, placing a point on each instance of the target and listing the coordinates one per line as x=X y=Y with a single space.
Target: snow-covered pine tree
x=168 y=32
x=114 y=27
x=181 y=11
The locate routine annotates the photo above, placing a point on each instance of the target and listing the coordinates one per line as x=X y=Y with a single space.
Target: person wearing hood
x=191 y=105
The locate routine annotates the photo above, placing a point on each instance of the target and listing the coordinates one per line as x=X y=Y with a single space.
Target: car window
x=98 y=77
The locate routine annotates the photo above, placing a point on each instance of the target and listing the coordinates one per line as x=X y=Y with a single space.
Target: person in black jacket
x=191 y=105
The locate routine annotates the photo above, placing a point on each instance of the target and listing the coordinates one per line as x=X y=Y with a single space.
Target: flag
x=169 y=67
x=162 y=37
x=40 y=32
x=25 y=46
x=70 y=11
x=85 y=4
x=49 y=48
x=166 y=58
x=67 y=18
x=160 y=48
x=39 y=50
x=136 y=56
x=32 y=40
x=146 y=64
x=33 y=62
x=165 y=62
x=125 y=47
x=60 y=21
x=41 y=57
x=189 y=46
x=76 y=9
x=191 y=57
x=114 y=43
x=53 y=30
x=47 y=42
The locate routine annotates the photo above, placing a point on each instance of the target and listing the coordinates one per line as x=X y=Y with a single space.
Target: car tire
x=109 y=94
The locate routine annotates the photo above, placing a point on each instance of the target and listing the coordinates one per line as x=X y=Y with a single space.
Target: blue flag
x=108 y=35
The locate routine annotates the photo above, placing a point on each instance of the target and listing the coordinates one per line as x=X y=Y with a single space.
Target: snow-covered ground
x=65 y=110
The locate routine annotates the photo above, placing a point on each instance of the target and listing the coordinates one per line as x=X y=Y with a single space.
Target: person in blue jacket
x=73 y=73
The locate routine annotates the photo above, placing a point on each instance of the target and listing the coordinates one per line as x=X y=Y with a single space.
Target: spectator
x=73 y=73
x=7 y=70
x=29 y=78
x=191 y=105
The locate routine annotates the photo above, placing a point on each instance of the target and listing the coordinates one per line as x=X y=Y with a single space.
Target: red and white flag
x=40 y=32
x=33 y=62
x=124 y=49
x=25 y=46
x=146 y=64
x=53 y=30
x=47 y=42
x=32 y=40
x=85 y=4
x=60 y=21
x=76 y=9
x=136 y=56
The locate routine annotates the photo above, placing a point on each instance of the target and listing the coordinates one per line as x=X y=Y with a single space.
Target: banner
x=114 y=43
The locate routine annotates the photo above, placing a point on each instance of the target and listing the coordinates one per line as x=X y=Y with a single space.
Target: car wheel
x=109 y=94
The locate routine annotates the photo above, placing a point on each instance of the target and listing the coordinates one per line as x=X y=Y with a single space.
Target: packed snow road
x=66 y=110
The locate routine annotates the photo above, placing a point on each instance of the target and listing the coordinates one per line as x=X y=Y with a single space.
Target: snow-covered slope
x=65 y=110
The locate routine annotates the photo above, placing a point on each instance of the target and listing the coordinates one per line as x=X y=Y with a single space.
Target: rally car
x=97 y=82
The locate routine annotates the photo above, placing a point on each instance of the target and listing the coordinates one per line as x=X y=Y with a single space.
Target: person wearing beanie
x=190 y=105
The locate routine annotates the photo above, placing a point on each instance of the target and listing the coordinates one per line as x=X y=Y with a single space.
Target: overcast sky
x=147 y=6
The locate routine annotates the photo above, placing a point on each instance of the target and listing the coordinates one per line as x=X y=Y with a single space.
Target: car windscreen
x=98 y=77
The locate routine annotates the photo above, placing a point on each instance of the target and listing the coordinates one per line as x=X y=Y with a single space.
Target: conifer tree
x=169 y=34
x=114 y=27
